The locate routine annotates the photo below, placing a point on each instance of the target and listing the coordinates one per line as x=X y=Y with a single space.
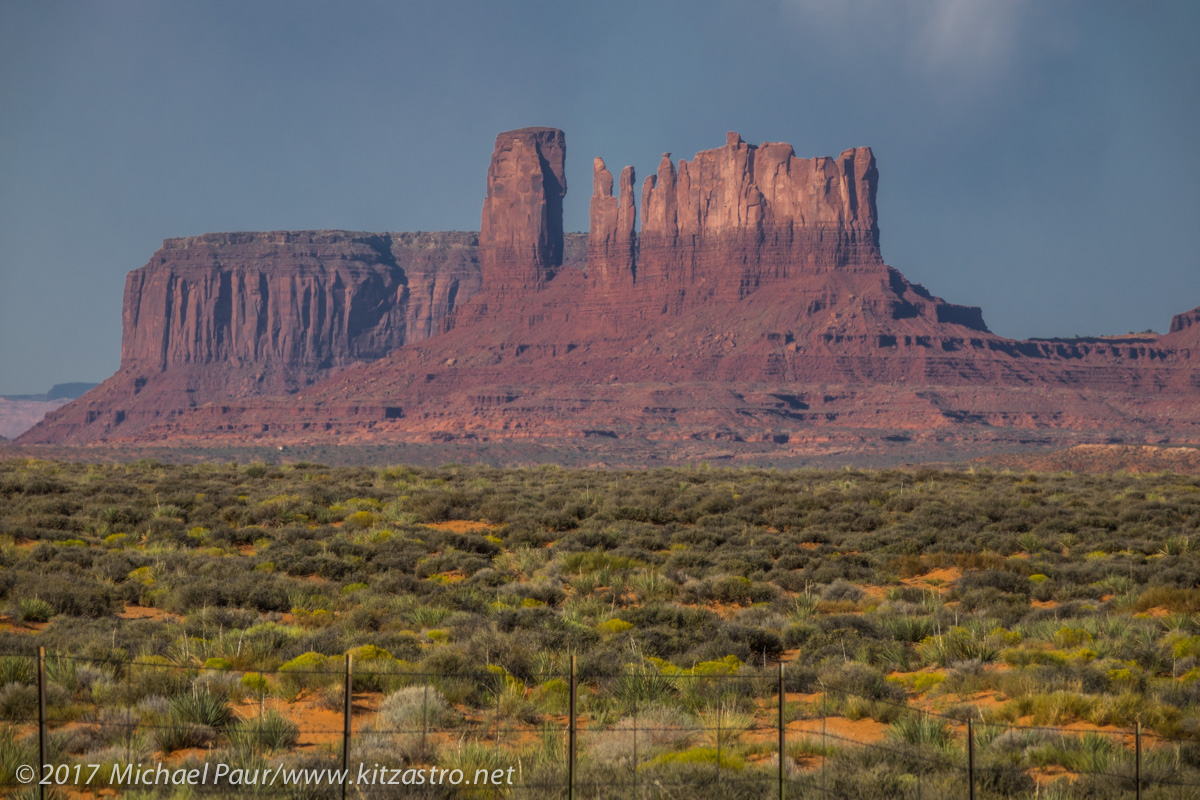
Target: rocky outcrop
x=1185 y=321
x=1185 y=330
x=226 y=316
x=760 y=208
x=521 y=232
x=743 y=218
x=18 y=416
x=611 y=239
x=754 y=305
x=733 y=220
x=291 y=304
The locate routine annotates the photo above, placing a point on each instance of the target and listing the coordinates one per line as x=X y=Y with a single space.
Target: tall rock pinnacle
x=611 y=240
x=521 y=233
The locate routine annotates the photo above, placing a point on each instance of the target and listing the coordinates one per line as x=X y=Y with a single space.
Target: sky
x=1036 y=157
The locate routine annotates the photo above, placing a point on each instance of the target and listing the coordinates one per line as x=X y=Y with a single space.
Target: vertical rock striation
x=753 y=304
x=292 y=304
x=735 y=219
x=611 y=239
x=226 y=316
x=739 y=217
x=521 y=232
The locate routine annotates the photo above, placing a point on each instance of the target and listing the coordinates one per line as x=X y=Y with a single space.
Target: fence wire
x=621 y=734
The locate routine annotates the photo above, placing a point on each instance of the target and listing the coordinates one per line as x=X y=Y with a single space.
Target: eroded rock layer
x=753 y=305
x=226 y=316
x=296 y=303
x=521 y=232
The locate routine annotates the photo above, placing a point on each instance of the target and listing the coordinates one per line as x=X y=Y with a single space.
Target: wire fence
x=370 y=728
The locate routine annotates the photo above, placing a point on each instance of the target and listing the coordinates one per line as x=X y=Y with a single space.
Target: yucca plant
x=192 y=720
x=16 y=669
x=271 y=732
x=908 y=628
x=201 y=708
x=725 y=722
x=428 y=616
x=921 y=731
x=34 y=609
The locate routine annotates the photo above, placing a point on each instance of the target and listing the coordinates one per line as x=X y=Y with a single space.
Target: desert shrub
x=842 y=591
x=862 y=680
x=908 y=628
x=1182 y=601
x=73 y=595
x=1001 y=581
x=271 y=732
x=711 y=757
x=34 y=609
x=192 y=720
x=659 y=728
x=307 y=671
x=920 y=730
x=412 y=710
x=18 y=702
x=957 y=645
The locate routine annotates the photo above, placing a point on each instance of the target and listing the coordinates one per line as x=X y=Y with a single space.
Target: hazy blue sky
x=1036 y=157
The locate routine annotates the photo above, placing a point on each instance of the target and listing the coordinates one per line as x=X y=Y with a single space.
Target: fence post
x=42 y=724
x=348 y=700
x=971 y=756
x=1137 y=749
x=782 y=735
x=719 y=701
x=571 y=732
x=129 y=702
x=499 y=689
x=635 y=751
x=824 y=743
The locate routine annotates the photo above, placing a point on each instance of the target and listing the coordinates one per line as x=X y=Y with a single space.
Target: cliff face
x=226 y=316
x=1186 y=321
x=298 y=303
x=754 y=304
x=612 y=244
x=521 y=231
x=762 y=209
x=743 y=218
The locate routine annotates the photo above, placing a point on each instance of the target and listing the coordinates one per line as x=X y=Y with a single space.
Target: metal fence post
x=348 y=700
x=129 y=702
x=499 y=689
x=42 y=724
x=971 y=757
x=571 y=731
x=635 y=750
x=824 y=743
x=719 y=701
x=1137 y=749
x=782 y=734
x=262 y=705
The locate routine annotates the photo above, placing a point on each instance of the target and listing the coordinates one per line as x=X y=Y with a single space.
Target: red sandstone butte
x=521 y=233
x=753 y=305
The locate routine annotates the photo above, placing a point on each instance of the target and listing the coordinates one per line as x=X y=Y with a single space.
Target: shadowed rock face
x=300 y=302
x=521 y=232
x=1186 y=321
x=1185 y=331
x=226 y=316
x=754 y=304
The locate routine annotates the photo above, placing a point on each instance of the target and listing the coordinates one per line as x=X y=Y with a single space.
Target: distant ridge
x=59 y=391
